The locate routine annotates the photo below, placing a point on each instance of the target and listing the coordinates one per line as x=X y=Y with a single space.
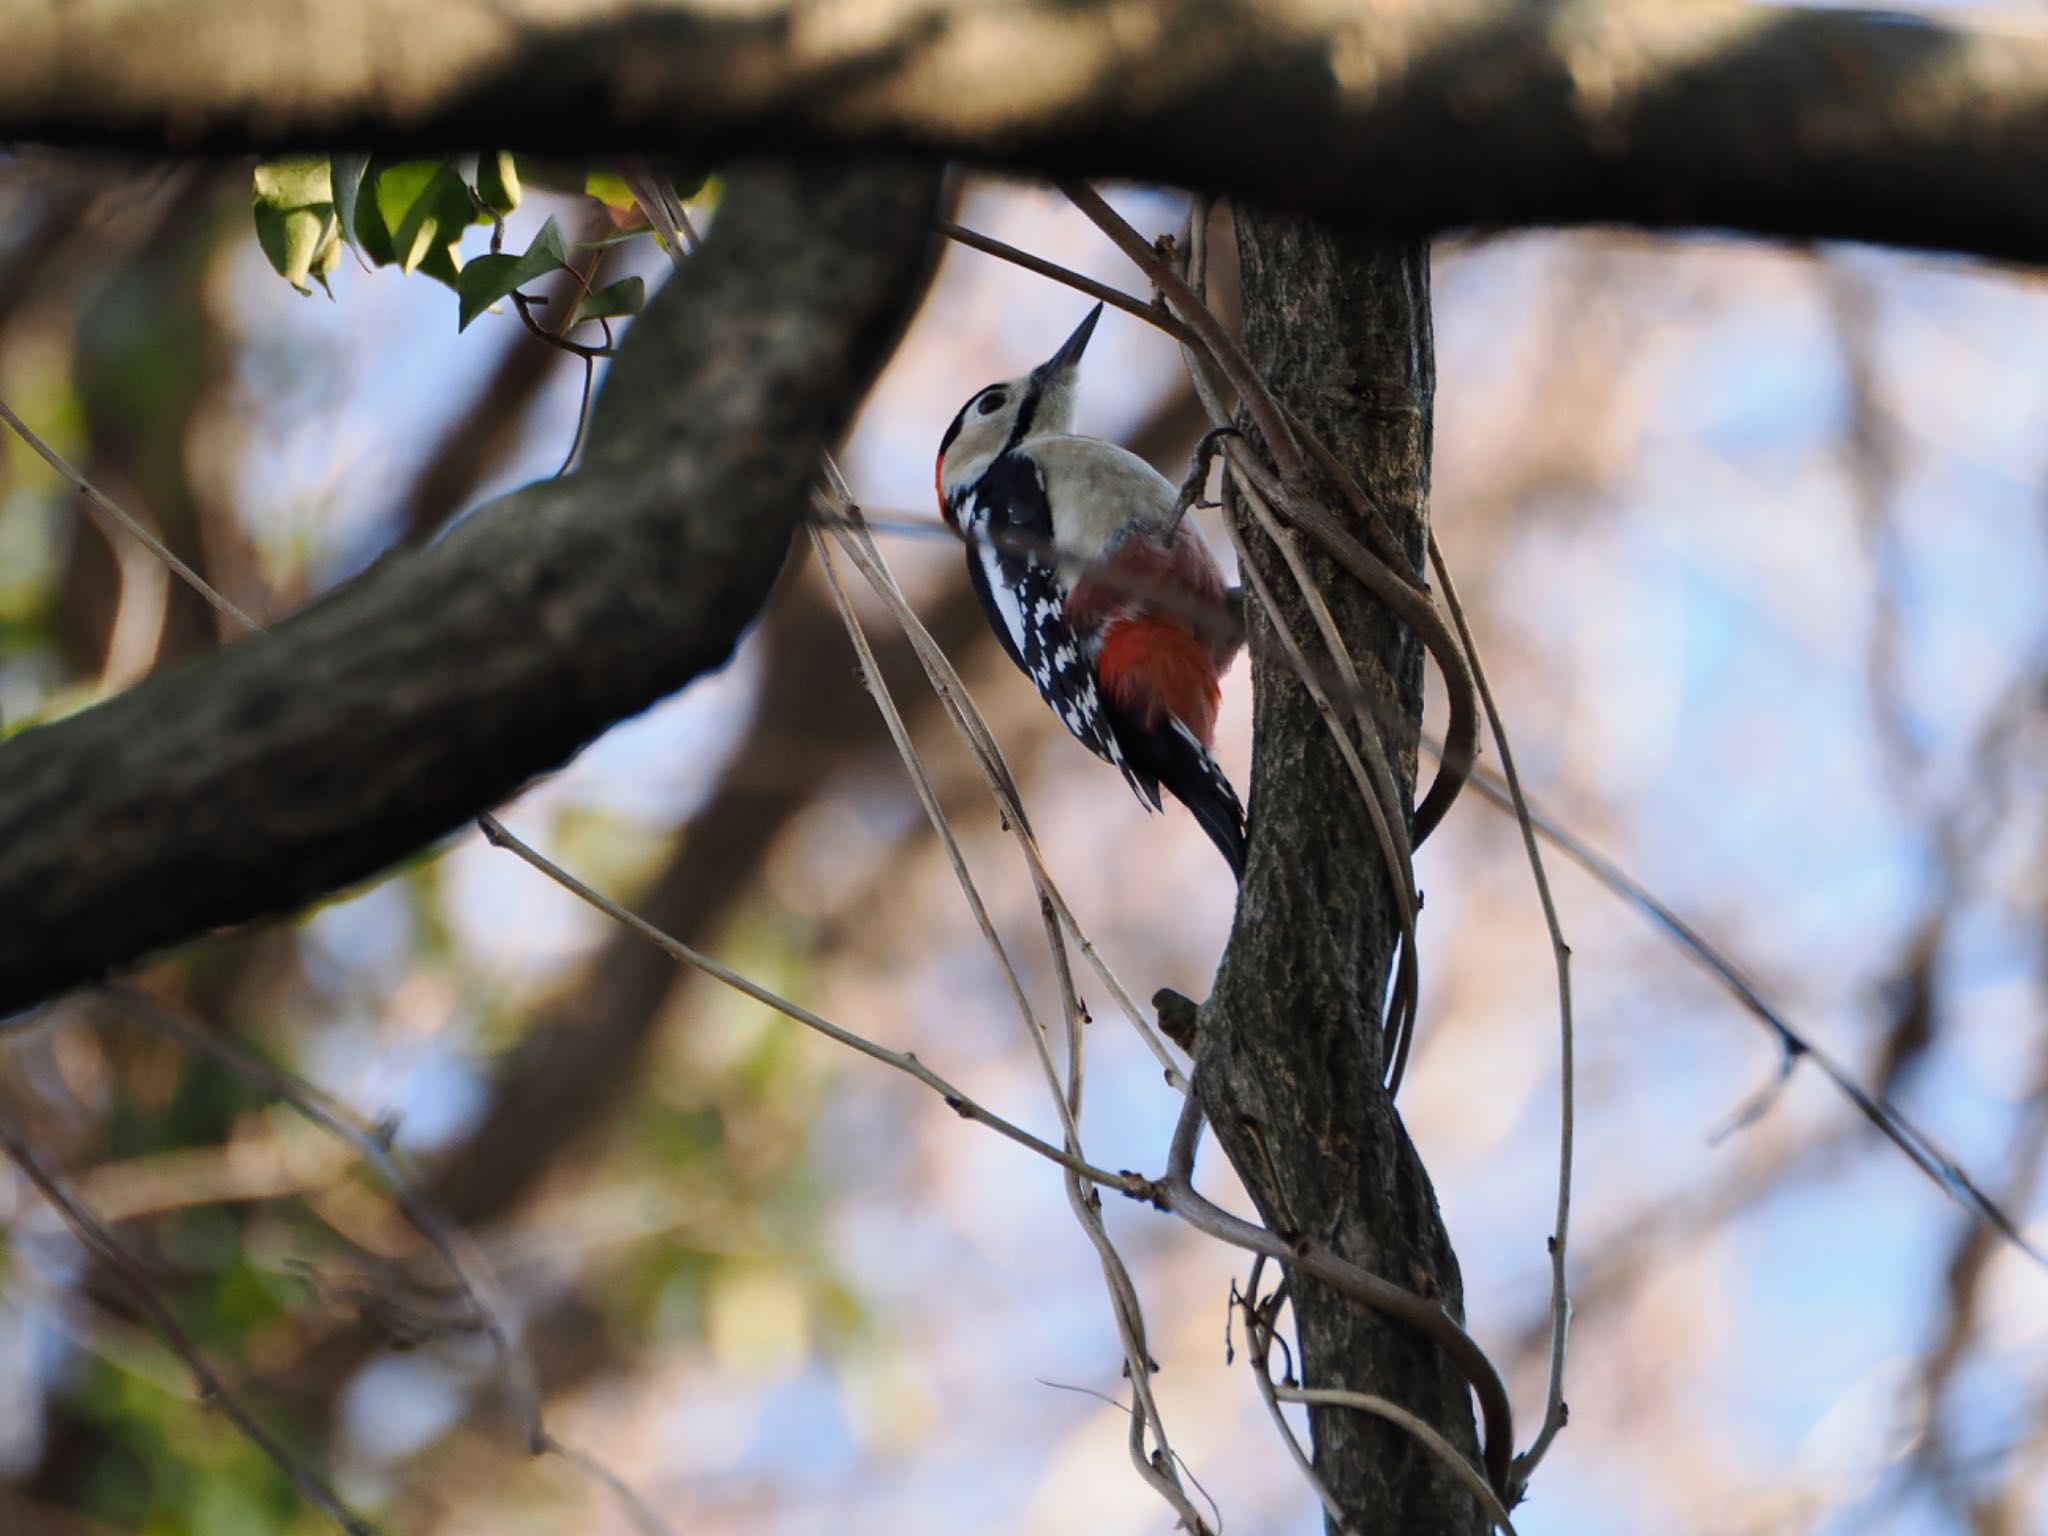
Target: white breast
x=1095 y=489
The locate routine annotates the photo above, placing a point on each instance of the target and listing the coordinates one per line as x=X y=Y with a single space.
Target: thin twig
x=1400 y=874
x=458 y=1251
x=645 y=1517
x=1413 y=606
x=656 y=195
x=1129 y=1412
x=1157 y=1470
x=582 y=414
x=1160 y=1471
x=1554 y=1410
x=905 y=1062
x=1154 y=314
x=988 y=757
x=1178 y=1194
x=1187 y=306
x=1919 y=1148
x=1427 y=1433
x=871 y=676
x=1388 y=575
x=133 y=525
x=1260 y=1335
x=525 y=306
x=1377 y=785
x=213 y=1389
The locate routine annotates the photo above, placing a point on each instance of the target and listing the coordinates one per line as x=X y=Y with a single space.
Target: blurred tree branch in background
x=1784 y=122
x=426 y=691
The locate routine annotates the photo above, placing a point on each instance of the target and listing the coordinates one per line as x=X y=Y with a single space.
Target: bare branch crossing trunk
x=1290 y=1056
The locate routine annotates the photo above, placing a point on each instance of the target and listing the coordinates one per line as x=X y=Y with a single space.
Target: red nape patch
x=1155 y=666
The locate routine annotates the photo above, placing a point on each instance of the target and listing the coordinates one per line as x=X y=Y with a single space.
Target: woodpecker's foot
x=1198 y=472
x=1177 y=1017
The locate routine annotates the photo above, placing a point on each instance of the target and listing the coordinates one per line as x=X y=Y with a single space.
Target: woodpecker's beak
x=1068 y=358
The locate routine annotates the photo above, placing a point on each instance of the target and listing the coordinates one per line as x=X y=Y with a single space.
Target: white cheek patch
x=964 y=464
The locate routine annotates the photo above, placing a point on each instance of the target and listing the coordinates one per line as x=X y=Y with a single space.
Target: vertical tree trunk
x=1290 y=1056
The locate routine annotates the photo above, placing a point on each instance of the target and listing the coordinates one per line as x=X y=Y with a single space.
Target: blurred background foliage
x=1754 y=540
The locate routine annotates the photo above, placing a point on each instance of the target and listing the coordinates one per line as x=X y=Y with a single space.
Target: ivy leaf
x=497 y=182
x=295 y=222
x=625 y=297
x=373 y=239
x=424 y=205
x=487 y=279
x=439 y=264
x=549 y=241
x=347 y=175
x=617 y=237
x=610 y=189
x=301 y=243
x=299 y=182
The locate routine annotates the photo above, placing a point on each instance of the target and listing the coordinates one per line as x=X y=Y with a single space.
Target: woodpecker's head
x=998 y=418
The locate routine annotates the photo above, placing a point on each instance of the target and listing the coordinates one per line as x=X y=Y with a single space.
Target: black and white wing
x=1008 y=526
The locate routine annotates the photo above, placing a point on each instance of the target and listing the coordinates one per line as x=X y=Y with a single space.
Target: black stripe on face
x=1025 y=412
x=953 y=431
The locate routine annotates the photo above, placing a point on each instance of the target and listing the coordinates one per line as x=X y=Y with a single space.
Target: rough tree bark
x=1391 y=115
x=1289 y=1051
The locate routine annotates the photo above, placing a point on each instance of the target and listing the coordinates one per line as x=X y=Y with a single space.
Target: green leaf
x=549 y=243
x=295 y=220
x=497 y=182
x=619 y=237
x=299 y=182
x=425 y=205
x=300 y=242
x=482 y=282
x=611 y=190
x=624 y=297
x=487 y=279
x=347 y=175
x=439 y=264
x=373 y=238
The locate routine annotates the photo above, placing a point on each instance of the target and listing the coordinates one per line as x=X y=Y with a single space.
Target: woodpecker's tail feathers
x=1172 y=757
x=1208 y=794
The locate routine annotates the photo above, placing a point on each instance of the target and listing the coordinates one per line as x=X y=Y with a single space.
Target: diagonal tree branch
x=1402 y=118
x=295 y=763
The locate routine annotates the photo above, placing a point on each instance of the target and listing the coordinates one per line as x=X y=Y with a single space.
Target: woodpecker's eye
x=992 y=402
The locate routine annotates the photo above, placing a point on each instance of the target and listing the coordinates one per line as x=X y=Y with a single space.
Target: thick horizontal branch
x=298 y=762
x=1400 y=117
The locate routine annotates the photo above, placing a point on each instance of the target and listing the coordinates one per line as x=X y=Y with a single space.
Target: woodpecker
x=1120 y=618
